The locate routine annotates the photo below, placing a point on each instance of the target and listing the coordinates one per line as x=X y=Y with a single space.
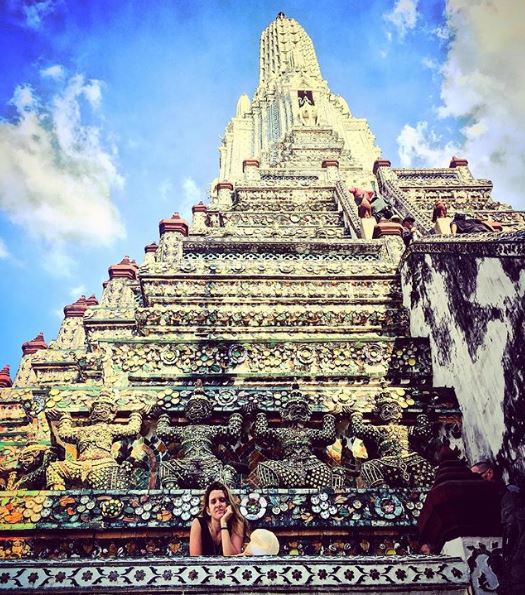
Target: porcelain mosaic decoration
x=265 y=344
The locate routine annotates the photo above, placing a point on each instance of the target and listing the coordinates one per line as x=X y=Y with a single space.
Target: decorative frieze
x=325 y=575
x=253 y=318
x=386 y=357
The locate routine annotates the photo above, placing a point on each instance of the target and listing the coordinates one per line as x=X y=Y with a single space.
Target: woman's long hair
x=236 y=523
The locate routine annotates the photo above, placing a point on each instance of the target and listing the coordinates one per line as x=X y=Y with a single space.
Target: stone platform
x=357 y=574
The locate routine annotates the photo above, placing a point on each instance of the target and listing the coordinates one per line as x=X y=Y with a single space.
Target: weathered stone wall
x=467 y=296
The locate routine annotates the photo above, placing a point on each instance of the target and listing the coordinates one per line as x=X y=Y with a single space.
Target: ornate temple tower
x=291 y=97
x=265 y=345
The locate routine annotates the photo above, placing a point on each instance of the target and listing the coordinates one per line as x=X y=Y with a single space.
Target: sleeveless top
x=209 y=547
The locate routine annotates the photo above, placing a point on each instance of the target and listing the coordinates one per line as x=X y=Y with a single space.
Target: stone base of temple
x=484 y=558
x=358 y=574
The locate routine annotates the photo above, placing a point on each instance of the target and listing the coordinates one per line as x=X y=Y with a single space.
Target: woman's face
x=217 y=504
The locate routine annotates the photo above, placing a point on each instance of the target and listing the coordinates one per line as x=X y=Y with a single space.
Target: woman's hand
x=227 y=515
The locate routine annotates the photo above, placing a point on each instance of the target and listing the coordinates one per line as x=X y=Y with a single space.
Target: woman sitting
x=220 y=529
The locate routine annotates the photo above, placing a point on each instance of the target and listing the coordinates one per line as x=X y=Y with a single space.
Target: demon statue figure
x=398 y=465
x=299 y=466
x=95 y=466
x=197 y=466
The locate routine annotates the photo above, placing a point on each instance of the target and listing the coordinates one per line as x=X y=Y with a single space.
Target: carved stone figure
x=397 y=465
x=29 y=472
x=198 y=466
x=299 y=467
x=96 y=466
x=307 y=112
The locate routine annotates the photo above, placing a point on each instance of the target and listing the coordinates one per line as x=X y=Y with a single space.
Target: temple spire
x=285 y=50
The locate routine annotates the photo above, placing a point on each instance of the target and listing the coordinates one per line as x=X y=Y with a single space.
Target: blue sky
x=111 y=114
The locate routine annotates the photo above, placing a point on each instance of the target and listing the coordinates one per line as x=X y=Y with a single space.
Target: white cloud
x=484 y=89
x=53 y=72
x=57 y=262
x=23 y=98
x=4 y=252
x=421 y=147
x=442 y=33
x=76 y=292
x=56 y=174
x=429 y=63
x=165 y=189
x=191 y=194
x=403 y=16
x=35 y=12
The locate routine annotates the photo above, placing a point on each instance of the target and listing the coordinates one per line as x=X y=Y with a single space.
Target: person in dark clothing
x=512 y=576
x=409 y=231
x=381 y=208
x=461 y=224
x=220 y=530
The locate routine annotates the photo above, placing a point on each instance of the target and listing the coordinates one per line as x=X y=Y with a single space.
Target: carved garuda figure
x=397 y=465
x=299 y=467
x=198 y=465
x=96 y=466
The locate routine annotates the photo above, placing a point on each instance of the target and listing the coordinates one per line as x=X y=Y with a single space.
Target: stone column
x=172 y=231
x=224 y=195
x=198 y=224
x=332 y=169
x=149 y=253
x=250 y=167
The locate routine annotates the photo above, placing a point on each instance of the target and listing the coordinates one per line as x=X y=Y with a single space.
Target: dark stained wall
x=468 y=297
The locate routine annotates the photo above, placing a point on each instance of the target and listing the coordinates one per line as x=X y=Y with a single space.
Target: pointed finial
x=92 y=300
x=127 y=268
x=175 y=223
x=5 y=378
x=34 y=345
x=458 y=162
x=76 y=309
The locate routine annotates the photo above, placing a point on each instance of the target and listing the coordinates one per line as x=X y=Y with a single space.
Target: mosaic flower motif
x=5 y=577
x=226 y=398
x=32 y=578
x=388 y=507
x=375 y=574
x=237 y=354
x=111 y=509
x=140 y=575
x=253 y=506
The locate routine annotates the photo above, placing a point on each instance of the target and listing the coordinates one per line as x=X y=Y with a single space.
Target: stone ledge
x=360 y=574
x=27 y=511
x=488 y=244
